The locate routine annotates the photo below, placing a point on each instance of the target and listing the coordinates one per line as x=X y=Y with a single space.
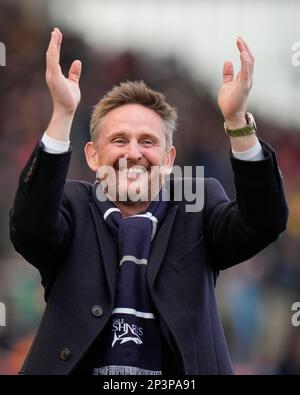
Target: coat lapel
x=159 y=245
x=108 y=249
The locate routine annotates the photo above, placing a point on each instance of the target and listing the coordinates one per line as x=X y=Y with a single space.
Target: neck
x=131 y=209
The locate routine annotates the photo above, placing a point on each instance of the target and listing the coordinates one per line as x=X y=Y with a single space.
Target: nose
x=134 y=153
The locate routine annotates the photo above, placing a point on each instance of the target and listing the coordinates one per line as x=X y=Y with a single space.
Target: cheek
x=154 y=156
x=108 y=156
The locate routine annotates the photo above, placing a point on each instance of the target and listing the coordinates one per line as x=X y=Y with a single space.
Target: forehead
x=132 y=118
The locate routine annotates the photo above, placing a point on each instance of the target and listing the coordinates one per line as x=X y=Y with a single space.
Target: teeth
x=139 y=170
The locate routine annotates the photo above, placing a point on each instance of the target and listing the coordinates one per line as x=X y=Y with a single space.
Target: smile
x=133 y=172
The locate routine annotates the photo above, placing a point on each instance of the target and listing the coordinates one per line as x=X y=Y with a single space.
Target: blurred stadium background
x=177 y=47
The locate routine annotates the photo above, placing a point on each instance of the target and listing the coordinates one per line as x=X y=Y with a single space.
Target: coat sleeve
x=40 y=220
x=237 y=230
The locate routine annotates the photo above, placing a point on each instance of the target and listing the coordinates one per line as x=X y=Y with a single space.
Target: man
x=128 y=275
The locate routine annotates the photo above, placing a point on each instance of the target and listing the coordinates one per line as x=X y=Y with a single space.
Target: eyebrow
x=123 y=133
x=117 y=134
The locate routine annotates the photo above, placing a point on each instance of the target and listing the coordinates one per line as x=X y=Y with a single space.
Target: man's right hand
x=64 y=91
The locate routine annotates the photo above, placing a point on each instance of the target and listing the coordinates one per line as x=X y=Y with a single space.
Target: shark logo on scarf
x=127 y=336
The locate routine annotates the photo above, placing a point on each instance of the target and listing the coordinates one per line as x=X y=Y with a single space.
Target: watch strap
x=245 y=131
x=248 y=129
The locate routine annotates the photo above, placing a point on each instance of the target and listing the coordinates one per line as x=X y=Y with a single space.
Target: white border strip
x=109 y=211
x=131 y=258
x=124 y=310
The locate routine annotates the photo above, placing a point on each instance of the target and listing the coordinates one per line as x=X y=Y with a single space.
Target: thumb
x=227 y=72
x=75 y=71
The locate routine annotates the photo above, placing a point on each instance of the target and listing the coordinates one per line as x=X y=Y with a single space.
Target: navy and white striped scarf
x=132 y=340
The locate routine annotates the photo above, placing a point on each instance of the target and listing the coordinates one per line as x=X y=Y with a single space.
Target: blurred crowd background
x=256 y=297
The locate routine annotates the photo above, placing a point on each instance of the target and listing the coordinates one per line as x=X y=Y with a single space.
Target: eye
x=147 y=142
x=119 y=141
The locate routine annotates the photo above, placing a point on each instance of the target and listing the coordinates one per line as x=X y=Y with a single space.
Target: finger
x=58 y=32
x=54 y=45
x=243 y=46
x=245 y=67
x=52 y=55
x=75 y=71
x=240 y=44
x=249 y=51
x=228 y=72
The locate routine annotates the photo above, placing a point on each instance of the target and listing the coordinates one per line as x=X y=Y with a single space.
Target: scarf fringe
x=124 y=370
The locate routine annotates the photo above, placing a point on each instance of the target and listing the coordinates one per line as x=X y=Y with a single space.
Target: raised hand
x=64 y=91
x=234 y=92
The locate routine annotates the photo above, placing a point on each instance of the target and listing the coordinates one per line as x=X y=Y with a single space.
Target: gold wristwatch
x=249 y=128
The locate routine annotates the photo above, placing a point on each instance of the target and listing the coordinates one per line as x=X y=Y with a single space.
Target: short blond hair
x=135 y=92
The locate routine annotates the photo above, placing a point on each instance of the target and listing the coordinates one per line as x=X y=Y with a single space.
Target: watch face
x=250 y=120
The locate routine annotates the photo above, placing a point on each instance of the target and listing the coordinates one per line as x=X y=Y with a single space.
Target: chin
x=131 y=203
x=133 y=192
x=133 y=196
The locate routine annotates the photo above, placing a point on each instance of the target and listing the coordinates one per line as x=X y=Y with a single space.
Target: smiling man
x=129 y=276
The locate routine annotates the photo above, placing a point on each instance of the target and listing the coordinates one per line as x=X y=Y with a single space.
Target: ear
x=91 y=156
x=170 y=157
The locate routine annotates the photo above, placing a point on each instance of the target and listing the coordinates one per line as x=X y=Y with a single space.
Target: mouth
x=133 y=172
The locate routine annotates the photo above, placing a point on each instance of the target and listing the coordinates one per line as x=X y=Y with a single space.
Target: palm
x=232 y=97
x=234 y=92
x=65 y=92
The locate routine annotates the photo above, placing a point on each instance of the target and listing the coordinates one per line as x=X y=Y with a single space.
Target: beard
x=132 y=189
x=135 y=190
